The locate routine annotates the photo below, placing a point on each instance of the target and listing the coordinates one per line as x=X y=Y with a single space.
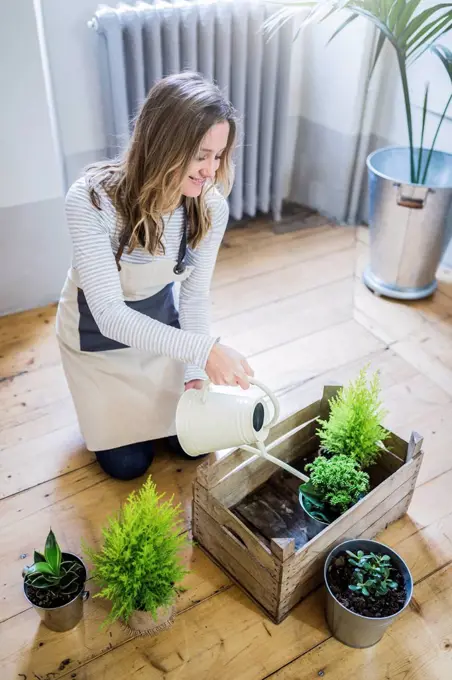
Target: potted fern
x=352 y=438
x=354 y=425
x=138 y=566
x=368 y=585
x=410 y=188
x=55 y=585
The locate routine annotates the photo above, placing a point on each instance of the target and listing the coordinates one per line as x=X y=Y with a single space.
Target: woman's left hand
x=194 y=385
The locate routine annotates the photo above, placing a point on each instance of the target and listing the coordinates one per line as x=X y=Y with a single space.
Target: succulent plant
x=49 y=572
x=371 y=574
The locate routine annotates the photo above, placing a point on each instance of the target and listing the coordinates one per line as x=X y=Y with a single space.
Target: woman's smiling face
x=205 y=165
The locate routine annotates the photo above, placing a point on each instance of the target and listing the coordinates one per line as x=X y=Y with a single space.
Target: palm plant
x=410 y=30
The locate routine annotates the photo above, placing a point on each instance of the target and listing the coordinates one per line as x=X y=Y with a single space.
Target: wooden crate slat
x=282 y=548
x=230 y=555
x=414 y=446
x=398 y=446
x=329 y=391
x=225 y=518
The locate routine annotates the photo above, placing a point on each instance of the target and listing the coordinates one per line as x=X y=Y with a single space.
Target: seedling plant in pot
x=351 y=441
x=368 y=585
x=55 y=585
x=138 y=566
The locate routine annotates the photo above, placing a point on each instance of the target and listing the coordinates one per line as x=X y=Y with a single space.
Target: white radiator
x=223 y=40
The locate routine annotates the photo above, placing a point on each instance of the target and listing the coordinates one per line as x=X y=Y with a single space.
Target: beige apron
x=121 y=395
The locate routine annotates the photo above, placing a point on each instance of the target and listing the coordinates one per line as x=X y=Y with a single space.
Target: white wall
x=28 y=160
x=31 y=187
x=390 y=117
x=71 y=47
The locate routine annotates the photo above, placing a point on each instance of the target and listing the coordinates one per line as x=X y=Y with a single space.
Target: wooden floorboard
x=294 y=303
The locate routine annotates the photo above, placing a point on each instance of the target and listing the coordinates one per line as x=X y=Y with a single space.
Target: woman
x=154 y=218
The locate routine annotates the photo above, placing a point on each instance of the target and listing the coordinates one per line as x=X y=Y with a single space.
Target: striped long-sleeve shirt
x=95 y=234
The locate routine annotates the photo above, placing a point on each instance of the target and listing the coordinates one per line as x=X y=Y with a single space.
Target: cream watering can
x=209 y=421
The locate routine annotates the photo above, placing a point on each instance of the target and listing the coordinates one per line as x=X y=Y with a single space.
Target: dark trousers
x=133 y=460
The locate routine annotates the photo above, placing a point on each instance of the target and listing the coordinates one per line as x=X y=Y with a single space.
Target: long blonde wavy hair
x=145 y=183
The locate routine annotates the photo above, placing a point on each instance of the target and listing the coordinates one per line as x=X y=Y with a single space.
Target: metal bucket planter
x=355 y=630
x=407 y=223
x=313 y=526
x=144 y=623
x=68 y=615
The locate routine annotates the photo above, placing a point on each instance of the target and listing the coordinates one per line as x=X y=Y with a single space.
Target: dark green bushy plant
x=371 y=574
x=354 y=425
x=138 y=566
x=51 y=575
x=335 y=484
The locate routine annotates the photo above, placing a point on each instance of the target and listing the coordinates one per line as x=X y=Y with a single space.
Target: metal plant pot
x=407 y=223
x=68 y=615
x=313 y=526
x=355 y=630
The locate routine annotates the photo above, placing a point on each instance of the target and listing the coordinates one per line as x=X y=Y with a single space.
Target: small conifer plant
x=138 y=567
x=354 y=426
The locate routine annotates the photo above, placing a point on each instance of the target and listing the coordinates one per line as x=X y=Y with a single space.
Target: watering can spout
x=208 y=420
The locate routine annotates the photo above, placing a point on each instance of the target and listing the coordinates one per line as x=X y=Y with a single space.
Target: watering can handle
x=272 y=398
x=265 y=389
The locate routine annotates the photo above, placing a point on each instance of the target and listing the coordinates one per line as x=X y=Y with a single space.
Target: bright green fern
x=138 y=566
x=354 y=424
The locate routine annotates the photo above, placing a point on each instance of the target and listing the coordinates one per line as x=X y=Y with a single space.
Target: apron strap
x=180 y=264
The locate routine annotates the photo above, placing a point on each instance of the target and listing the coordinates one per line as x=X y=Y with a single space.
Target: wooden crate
x=236 y=497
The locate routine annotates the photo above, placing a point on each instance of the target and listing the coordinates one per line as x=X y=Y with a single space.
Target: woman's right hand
x=225 y=366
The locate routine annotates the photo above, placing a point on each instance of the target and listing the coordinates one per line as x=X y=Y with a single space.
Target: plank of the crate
x=234 y=558
x=392 y=515
x=329 y=391
x=275 y=512
x=294 y=583
x=386 y=465
x=344 y=525
x=257 y=470
x=282 y=548
x=218 y=466
x=414 y=446
x=397 y=446
x=390 y=462
x=225 y=519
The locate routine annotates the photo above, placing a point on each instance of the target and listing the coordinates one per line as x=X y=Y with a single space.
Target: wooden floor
x=295 y=305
